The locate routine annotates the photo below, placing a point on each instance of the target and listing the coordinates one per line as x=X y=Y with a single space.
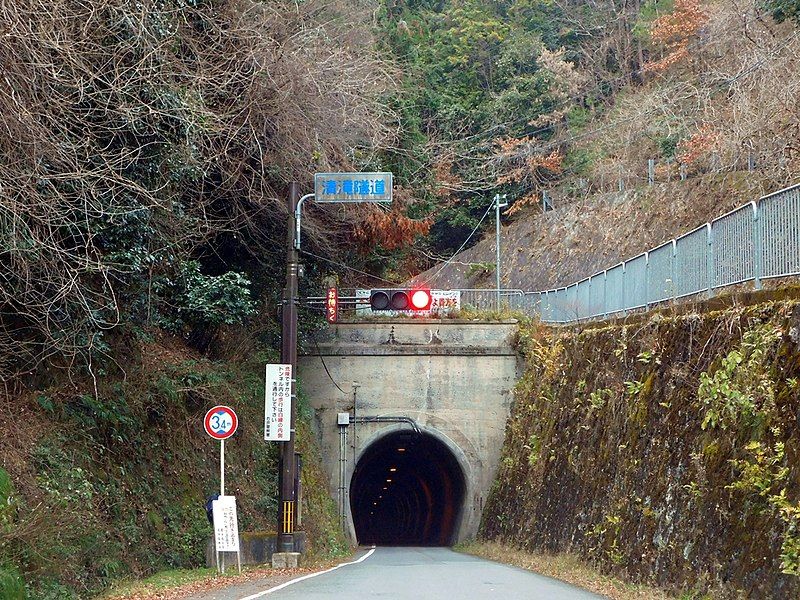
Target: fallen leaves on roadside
x=267 y=576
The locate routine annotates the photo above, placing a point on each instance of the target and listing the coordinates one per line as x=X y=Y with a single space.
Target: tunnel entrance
x=407 y=489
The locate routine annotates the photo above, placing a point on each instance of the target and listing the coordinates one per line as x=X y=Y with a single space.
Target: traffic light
x=412 y=299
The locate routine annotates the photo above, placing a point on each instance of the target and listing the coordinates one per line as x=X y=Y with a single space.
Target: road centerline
x=309 y=576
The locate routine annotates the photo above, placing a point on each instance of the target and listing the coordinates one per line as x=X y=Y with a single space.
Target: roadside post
x=221 y=423
x=497 y=206
x=328 y=188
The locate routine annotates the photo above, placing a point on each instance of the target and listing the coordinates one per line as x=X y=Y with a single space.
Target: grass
x=179 y=583
x=569 y=568
x=164 y=580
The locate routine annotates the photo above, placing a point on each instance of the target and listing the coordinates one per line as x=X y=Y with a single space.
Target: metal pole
x=356 y=385
x=758 y=250
x=710 y=259
x=222 y=467
x=497 y=207
x=345 y=493
x=497 y=244
x=342 y=472
x=289 y=356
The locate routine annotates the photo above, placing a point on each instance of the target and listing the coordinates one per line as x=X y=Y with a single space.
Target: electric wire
x=556 y=143
x=642 y=70
x=325 y=366
x=348 y=267
x=469 y=237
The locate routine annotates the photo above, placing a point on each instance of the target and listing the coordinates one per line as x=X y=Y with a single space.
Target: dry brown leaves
x=674 y=30
x=566 y=567
x=391 y=229
x=698 y=145
x=265 y=577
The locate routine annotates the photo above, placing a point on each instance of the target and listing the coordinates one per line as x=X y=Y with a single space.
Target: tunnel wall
x=452 y=378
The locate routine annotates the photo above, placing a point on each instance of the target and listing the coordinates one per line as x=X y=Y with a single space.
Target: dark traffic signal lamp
x=411 y=299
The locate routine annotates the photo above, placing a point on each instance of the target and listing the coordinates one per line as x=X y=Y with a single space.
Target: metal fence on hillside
x=757 y=241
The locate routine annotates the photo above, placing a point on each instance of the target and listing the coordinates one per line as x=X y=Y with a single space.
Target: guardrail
x=757 y=241
x=754 y=242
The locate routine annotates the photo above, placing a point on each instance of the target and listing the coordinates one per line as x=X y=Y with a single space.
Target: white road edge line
x=304 y=577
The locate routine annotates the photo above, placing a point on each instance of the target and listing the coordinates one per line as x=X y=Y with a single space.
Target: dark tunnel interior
x=407 y=489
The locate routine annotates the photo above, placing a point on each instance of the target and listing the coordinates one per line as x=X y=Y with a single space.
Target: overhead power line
x=466 y=241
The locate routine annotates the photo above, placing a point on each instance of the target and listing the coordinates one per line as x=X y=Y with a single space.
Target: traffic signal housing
x=415 y=299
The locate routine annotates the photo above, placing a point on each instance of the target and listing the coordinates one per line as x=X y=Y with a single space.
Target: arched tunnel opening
x=407 y=490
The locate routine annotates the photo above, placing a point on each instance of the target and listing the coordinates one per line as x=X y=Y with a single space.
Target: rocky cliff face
x=665 y=450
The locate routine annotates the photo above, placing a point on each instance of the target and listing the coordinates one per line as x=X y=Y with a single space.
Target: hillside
x=707 y=92
x=145 y=154
x=100 y=485
x=556 y=248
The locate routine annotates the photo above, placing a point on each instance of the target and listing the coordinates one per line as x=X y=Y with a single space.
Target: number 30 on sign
x=221 y=422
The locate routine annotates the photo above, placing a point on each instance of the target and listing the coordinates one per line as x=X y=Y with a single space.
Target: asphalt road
x=420 y=574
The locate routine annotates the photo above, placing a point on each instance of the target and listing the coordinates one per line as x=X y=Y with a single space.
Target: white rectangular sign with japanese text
x=226 y=525
x=278 y=403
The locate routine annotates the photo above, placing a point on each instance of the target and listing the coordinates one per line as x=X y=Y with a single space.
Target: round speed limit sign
x=221 y=422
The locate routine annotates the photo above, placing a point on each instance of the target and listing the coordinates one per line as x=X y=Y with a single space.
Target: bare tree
x=174 y=122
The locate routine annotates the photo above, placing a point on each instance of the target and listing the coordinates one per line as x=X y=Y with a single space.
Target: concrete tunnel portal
x=408 y=488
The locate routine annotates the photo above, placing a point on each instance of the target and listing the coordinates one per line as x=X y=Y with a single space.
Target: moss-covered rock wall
x=664 y=450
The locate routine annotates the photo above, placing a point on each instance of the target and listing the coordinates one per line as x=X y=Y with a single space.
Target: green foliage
x=51 y=589
x=633 y=388
x=480 y=269
x=137 y=503
x=110 y=416
x=66 y=483
x=206 y=299
x=762 y=470
x=668 y=144
x=630 y=467
x=534 y=447
x=579 y=161
x=144 y=162
x=185 y=534
x=124 y=491
x=648 y=356
x=783 y=9
x=741 y=389
x=12 y=586
x=598 y=398
x=649 y=12
x=790 y=550
x=578 y=117
x=6 y=490
x=470 y=67
x=763 y=476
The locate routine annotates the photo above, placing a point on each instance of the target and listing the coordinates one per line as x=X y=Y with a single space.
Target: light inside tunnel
x=407 y=489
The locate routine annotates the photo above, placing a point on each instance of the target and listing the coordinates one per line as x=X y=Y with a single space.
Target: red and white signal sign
x=221 y=422
x=332 y=305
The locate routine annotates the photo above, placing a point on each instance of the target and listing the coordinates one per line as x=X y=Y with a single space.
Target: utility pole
x=287 y=505
x=497 y=207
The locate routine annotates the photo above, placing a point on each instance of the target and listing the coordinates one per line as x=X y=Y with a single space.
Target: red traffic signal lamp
x=410 y=299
